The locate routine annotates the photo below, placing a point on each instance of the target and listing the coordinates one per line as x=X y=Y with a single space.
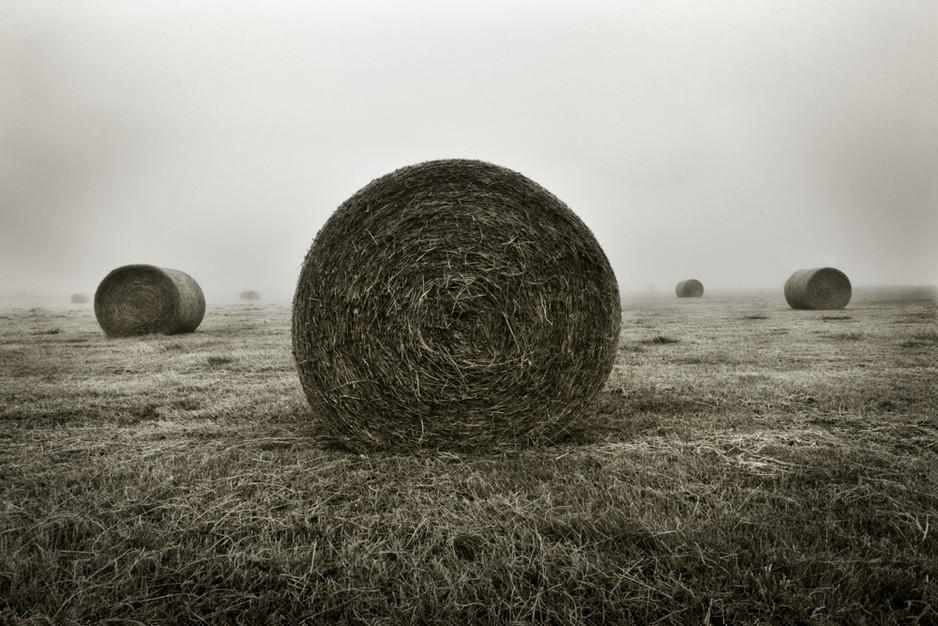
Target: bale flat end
x=453 y=304
x=142 y=299
x=818 y=289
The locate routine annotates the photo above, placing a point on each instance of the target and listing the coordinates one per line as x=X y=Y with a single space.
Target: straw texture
x=690 y=288
x=143 y=299
x=820 y=288
x=453 y=304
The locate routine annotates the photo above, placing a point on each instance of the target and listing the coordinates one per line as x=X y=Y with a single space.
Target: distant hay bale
x=79 y=298
x=142 y=299
x=249 y=295
x=453 y=304
x=690 y=288
x=820 y=288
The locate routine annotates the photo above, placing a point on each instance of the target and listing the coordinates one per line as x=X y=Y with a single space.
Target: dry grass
x=142 y=299
x=453 y=304
x=690 y=288
x=817 y=289
x=758 y=472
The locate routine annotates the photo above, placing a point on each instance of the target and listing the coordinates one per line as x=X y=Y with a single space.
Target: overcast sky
x=731 y=141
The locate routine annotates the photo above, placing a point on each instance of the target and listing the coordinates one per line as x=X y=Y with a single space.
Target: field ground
x=745 y=464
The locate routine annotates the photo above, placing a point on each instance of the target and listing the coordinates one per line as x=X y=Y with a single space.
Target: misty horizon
x=730 y=143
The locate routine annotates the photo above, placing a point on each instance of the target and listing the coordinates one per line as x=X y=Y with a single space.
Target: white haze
x=730 y=141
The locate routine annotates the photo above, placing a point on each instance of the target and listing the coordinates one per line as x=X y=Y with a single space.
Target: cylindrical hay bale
x=690 y=288
x=79 y=298
x=142 y=299
x=819 y=288
x=249 y=295
x=453 y=304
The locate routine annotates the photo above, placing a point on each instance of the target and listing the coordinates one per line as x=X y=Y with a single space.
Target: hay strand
x=143 y=299
x=453 y=304
x=820 y=288
x=690 y=288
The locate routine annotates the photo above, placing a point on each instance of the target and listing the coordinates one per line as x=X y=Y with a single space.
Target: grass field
x=745 y=464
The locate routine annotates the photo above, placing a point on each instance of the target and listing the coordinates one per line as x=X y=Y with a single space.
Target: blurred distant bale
x=453 y=304
x=142 y=299
x=690 y=288
x=249 y=295
x=819 y=288
x=79 y=298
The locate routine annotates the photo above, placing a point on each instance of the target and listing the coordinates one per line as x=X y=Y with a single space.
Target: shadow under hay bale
x=453 y=304
x=690 y=288
x=820 y=288
x=249 y=295
x=143 y=299
x=79 y=298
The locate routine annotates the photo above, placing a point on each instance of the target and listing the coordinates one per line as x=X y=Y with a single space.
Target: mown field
x=745 y=464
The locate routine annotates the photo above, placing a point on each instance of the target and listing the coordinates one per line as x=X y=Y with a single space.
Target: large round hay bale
x=453 y=304
x=79 y=298
x=819 y=288
x=249 y=295
x=142 y=299
x=690 y=288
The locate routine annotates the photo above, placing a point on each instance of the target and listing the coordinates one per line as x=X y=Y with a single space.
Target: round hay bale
x=79 y=298
x=690 y=288
x=249 y=295
x=453 y=304
x=142 y=299
x=820 y=288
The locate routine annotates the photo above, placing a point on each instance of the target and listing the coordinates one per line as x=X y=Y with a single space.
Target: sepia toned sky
x=730 y=141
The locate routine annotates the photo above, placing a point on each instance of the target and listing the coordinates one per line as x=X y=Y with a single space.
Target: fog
x=729 y=141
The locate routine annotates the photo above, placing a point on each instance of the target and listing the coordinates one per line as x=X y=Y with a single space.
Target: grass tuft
x=661 y=339
x=922 y=338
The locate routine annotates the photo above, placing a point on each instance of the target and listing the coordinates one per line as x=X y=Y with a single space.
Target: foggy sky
x=730 y=141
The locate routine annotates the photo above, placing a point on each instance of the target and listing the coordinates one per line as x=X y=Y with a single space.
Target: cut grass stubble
x=734 y=476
